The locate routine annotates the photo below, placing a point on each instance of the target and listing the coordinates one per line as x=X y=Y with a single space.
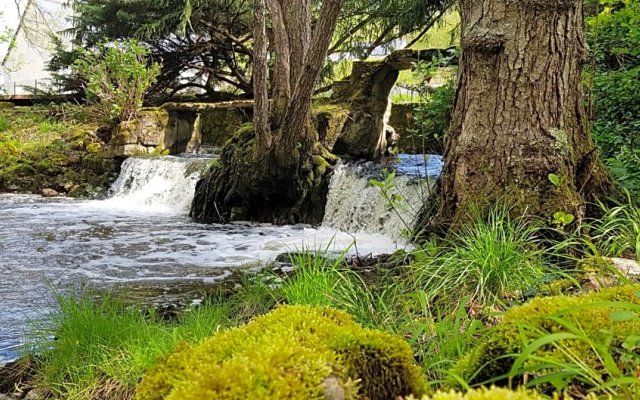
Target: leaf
x=623 y=315
x=555 y=179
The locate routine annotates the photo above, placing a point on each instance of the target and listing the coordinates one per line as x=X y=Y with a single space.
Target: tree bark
x=519 y=133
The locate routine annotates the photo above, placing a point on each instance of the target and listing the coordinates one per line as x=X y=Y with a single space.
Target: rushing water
x=141 y=237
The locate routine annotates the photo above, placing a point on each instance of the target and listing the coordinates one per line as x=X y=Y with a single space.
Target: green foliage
x=316 y=279
x=107 y=344
x=586 y=342
x=614 y=34
x=432 y=117
x=289 y=353
x=4 y=124
x=117 y=77
x=492 y=257
x=617 y=232
x=614 y=37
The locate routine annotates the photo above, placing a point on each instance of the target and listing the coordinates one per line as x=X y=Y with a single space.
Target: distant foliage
x=614 y=34
x=117 y=76
x=432 y=117
x=614 y=37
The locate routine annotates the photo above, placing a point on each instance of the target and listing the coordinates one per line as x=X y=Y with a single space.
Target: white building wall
x=25 y=64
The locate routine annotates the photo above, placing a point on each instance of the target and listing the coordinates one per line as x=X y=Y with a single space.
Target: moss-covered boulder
x=493 y=393
x=609 y=318
x=295 y=352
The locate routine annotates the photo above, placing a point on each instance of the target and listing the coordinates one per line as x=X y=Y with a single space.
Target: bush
x=617 y=103
x=433 y=116
x=588 y=342
x=293 y=352
x=614 y=34
x=117 y=77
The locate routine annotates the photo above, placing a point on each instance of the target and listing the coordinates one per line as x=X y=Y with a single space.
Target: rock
x=50 y=193
x=6 y=397
x=628 y=268
x=35 y=394
x=13 y=188
x=333 y=390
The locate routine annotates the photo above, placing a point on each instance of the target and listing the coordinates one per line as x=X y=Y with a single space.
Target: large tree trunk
x=519 y=117
x=278 y=172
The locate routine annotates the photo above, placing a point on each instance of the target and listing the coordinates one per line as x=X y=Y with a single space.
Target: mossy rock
x=493 y=393
x=593 y=313
x=295 y=352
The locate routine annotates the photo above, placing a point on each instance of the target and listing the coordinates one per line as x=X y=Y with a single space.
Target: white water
x=354 y=204
x=157 y=184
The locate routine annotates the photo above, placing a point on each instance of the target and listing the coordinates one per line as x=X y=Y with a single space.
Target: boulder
x=295 y=352
x=47 y=192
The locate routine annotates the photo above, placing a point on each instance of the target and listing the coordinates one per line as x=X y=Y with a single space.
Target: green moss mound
x=608 y=317
x=295 y=352
x=487 y=394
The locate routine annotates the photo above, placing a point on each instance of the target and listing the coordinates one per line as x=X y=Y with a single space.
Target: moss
x=330 y=120
x=487 y=394
x=557 y=287
x=94 y=148
x=38 y=151
x=523 y=324
x=290 y=353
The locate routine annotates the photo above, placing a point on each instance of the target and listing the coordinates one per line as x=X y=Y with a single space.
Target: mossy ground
x=52 y=148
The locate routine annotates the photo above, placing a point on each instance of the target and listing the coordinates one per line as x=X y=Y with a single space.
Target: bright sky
x=9 y=19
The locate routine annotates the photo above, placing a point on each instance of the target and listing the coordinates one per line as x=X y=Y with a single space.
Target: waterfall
x=158 y=183
x=354 y=204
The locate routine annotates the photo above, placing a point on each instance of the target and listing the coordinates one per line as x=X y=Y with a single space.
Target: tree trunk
x=278 y=172
x=519 y=131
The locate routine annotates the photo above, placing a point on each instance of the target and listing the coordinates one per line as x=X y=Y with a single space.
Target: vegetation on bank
x=55 y=148
x=568 y=327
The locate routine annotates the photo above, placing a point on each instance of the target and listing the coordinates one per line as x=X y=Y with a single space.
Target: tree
x=207 y=44
x=519 y=132
x=277 y=172
x=202 y=44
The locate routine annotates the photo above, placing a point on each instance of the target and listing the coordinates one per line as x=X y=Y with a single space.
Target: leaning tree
x=519 y=133
x=276 y=171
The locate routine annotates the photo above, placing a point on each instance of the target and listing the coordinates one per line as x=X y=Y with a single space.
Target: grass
x=107 y=345
x=41 y=149
x=493 y=258
x=616 y=375
x=617 y=232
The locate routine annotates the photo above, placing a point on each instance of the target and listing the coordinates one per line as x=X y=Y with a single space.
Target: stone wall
x=176 y=128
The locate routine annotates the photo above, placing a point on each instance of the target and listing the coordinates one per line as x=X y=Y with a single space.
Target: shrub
x=614 y=34
x=433 y=116
x=290 y=353
x=117 y=77
x=587 y=341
